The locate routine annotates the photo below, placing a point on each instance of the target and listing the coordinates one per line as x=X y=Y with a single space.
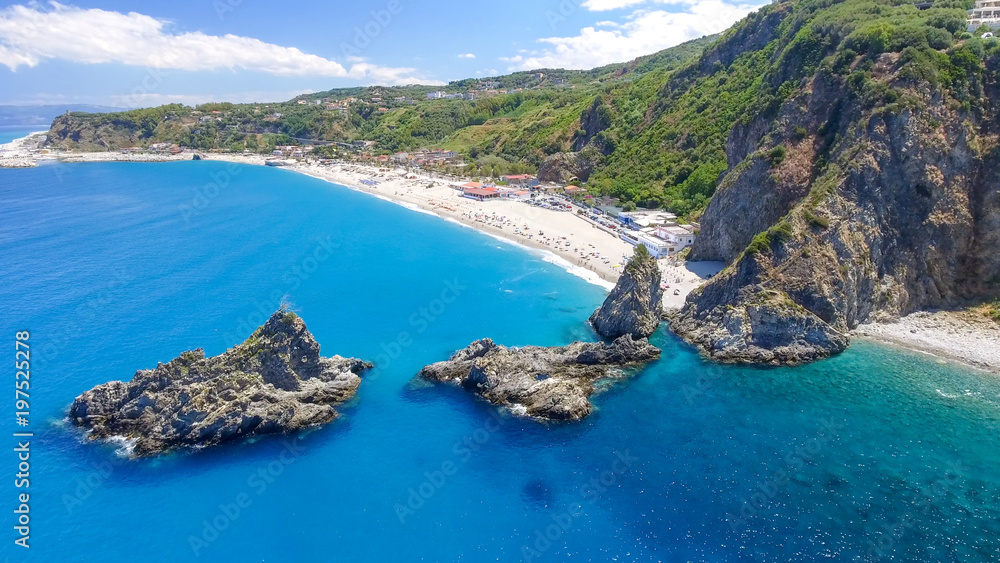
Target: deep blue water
x=876 y=454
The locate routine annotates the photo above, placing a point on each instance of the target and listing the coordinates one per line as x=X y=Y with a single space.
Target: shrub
x=872 y=39
x=816 y=220
x=763 y=242
x=776 y=155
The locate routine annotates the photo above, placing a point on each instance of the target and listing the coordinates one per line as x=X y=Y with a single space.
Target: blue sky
x=142 y=54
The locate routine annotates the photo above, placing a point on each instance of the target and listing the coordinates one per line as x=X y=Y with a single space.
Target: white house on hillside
x=986 y=12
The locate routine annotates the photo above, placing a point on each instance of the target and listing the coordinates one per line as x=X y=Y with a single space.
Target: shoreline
x=964 y=337
x=561 y=238
x=572 y=244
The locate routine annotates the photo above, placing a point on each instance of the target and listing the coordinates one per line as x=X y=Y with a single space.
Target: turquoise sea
x=8 y=134
x=878 y=454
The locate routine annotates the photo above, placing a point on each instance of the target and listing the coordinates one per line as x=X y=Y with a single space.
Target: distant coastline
x=956 y=336
x=559 y=237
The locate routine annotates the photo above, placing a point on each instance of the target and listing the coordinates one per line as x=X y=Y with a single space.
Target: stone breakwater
x=274 y=382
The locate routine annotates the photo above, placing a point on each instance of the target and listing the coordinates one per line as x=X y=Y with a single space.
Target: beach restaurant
x=476 y=191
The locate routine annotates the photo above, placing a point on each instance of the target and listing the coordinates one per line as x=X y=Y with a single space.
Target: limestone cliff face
x=635 y=304
x=868 y=211
x=274 y=382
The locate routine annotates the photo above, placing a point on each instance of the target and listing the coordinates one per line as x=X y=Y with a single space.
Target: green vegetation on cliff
x=658 y=131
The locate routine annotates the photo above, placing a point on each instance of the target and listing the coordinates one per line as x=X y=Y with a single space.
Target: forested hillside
x=656 y=131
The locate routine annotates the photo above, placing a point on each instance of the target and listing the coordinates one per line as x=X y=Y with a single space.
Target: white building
x=986 y=12
x=657 y=247
x=642 y=219
x=678 y=237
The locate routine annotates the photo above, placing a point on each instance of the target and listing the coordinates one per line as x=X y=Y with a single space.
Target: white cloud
x=154 y=99
x=467 y=56
x=604 y=5
x=645 y=32
x=30 y=35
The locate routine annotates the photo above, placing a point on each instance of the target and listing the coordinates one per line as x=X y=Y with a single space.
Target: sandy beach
x=569 y=240
x=575 y=240
x=580 y=246
x=566 y=238
x=963 y=336
x=681 y=278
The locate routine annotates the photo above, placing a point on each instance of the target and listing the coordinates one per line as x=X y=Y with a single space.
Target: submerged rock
x=635 y=304
x=545 y=383
x=276 y=381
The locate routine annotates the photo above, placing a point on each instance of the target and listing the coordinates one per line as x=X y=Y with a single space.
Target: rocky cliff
x=274 y=382
x=565 y=167
x=635 y=304
x=872 y=193
x=542 y=383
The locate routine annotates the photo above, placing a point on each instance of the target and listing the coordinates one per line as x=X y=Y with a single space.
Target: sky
x=141 y=54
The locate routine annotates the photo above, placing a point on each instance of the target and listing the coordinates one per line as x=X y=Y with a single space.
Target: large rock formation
x=864 y=210
x=635 y=304
x=566 y=167
x=276 y=381
x=737 y=323
x=543 y=383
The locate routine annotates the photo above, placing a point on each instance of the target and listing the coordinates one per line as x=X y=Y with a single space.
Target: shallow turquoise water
x=876 y=454
x=9 y=134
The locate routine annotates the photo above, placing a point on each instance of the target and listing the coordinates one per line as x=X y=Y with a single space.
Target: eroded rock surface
x=544 y=383
x=274 y=382
x=635 y=305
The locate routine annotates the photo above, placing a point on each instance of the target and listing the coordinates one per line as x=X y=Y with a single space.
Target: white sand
x=576 y=240
x=585 y=249
x=569 y=240
x=681 y=278
x=965 y=336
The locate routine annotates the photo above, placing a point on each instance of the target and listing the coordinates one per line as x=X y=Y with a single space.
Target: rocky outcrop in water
x=274 y=382
x=635 y=304
x=543 y=383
